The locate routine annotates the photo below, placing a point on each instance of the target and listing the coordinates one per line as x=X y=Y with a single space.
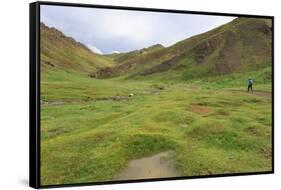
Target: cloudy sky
x=106 y=30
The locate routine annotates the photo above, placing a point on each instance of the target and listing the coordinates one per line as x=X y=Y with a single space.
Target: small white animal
x=131 y=95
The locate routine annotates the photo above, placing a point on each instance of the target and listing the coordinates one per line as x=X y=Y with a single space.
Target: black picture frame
x=34 y=93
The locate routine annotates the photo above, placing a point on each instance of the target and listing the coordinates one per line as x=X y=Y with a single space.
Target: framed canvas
x=126 y=94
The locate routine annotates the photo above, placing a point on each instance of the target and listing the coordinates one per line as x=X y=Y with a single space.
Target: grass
x=211 y=124
x=60 y=51
x=91 y=128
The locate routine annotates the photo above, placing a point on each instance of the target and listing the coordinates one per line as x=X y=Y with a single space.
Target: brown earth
x=156 y=166
x=202 y=110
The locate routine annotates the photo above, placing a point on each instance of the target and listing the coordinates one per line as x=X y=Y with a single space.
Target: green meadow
x=101 y=113
x=91 y=128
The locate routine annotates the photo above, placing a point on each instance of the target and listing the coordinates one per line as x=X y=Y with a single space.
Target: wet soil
x=157 y=166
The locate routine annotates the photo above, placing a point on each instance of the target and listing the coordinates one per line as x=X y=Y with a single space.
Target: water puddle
x=157 y=166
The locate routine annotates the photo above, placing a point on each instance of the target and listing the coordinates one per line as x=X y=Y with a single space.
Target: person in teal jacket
x=250 y=85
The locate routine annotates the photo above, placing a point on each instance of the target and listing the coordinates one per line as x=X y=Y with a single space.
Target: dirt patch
x=267 y=153
x=262 y=93
x=202 y=110
x=156 y=166
x=113 y=98
x=256 y=93
x=252 y=131
x=51 y=103
x=87 y=99
x=222 y=113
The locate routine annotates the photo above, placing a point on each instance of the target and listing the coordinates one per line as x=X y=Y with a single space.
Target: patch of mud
x=262 y=93
x=156 y=166
x=267 y=153
x=252 y=131
x=154 y=92
x=88 y=99
x=45 y=103
x=222 y=113
x=113 y=98
x=202 y=110
x=256 y=93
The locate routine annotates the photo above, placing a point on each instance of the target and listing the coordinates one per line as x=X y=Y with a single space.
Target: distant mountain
x=238 y=46
x=133 y=61
x=241 y=45
x=120 y=57
x=59 y=51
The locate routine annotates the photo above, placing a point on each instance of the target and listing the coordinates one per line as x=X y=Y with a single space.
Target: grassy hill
x=123 y=57
x=230 y=48
x=60 y=52
x=133 y=61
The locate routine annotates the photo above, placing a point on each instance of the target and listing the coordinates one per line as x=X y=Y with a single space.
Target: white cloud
x=95 y=49
x=125 y=30
x=136 y=27
x=115 y=51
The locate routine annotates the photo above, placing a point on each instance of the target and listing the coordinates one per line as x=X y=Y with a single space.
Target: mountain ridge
x=58 y=51
x=229 y=48
x=225 y=49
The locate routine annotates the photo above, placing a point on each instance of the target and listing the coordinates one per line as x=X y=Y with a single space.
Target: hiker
x=250 y=84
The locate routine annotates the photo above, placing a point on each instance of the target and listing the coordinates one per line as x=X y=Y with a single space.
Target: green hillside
x=60 y=52
x=124 y=57
x=133 y=61
x=230 y=48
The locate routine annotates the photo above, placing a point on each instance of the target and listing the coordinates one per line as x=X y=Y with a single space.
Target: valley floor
x=91 y=128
